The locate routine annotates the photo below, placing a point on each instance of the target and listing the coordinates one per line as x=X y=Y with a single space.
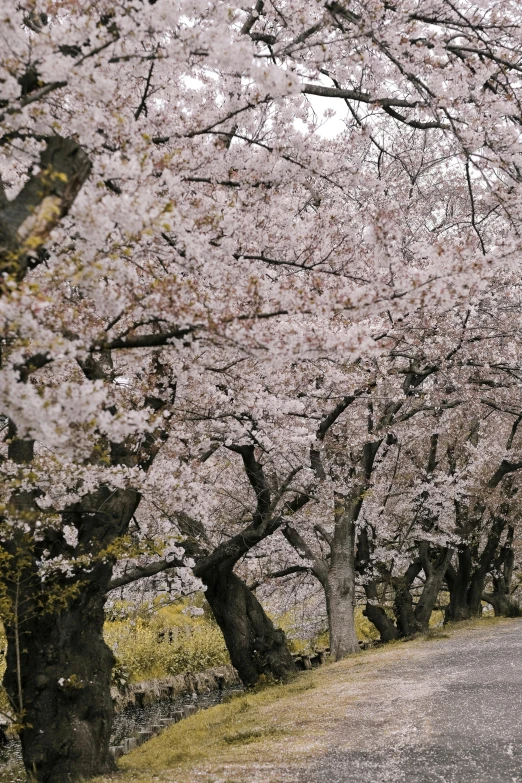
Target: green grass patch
x=244 y=736
x=435 y=633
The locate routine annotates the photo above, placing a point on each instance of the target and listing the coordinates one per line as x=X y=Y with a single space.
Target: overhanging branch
x=141 y=572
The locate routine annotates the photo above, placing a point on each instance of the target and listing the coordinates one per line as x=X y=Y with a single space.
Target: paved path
x=451 y=715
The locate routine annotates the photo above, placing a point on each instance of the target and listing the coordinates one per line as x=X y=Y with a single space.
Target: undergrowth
x=166 y=641
x=4 y=702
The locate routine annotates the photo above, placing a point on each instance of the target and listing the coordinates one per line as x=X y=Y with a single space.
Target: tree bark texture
x=403 y=608
x=58 y=665
x=255 y=646
x=458 y=582
x=27 y=220
x=341 y=622
x=340 y=588
x=466 y=583
x=65 y=668
x=435 y=568
x=501 y=598
x=375 y=613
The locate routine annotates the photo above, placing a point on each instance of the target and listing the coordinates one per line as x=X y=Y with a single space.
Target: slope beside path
x=446 y=710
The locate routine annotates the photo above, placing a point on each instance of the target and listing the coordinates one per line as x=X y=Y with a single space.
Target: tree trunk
x=503 y=605
x=341 y=622
x=475 y=590
x=340 y=587
x=458 y=608
x=377 y=615
x=407 y=624
x=256 y=648
x=467 y=584
x=487 y=559
x=59 y=667
x=27 y=220
x=435 y=573
x=500 y=599
x=404 y=613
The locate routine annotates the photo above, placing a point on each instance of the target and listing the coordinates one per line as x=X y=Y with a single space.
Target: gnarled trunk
x=475 y=591
x=255 y=646
x=458 y=584
x=377 y=615
x=500 y=598
x=503 y=605
x=407 y=623
x=60 y=667
x=435 y=573
x=466 y=584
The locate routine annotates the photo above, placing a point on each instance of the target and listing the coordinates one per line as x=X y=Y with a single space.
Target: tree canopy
x=223 y=328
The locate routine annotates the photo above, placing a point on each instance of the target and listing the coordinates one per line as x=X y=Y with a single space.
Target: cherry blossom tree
x=169 y=211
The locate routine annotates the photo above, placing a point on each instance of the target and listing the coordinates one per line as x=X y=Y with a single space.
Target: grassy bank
x=248 y=739
x=268 y=736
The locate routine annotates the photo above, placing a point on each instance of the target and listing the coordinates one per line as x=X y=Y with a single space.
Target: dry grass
x=269 y=736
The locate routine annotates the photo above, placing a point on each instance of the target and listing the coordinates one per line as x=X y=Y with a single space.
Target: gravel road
x=452 y=714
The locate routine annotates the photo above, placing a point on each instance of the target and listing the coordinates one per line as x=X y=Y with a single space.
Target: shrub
x=164 y=642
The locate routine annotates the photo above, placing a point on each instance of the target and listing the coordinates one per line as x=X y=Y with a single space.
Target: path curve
x=450 y=715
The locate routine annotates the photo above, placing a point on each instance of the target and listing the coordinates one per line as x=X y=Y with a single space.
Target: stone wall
x=141 y=694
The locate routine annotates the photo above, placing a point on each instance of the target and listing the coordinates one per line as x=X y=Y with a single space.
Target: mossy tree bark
x=65 y=668
x=58 y=665
x=27 y=220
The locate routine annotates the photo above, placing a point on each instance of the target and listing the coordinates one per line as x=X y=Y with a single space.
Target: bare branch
x=142 y=572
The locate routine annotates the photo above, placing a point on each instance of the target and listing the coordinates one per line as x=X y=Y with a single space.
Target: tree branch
x=504 y=468
x=324 y=535
x=142 y=572
x=256 y=476
x=357 y=95
x=27 y=220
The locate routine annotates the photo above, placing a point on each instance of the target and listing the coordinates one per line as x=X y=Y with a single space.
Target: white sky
x=334 y=125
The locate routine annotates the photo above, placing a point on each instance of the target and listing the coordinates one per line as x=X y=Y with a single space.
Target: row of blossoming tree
x=223 y=332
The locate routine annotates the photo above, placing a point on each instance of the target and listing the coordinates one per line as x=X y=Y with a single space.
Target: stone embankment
x=171 y=689
x=146 y=733
x=165 y=690
x=142 y=694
